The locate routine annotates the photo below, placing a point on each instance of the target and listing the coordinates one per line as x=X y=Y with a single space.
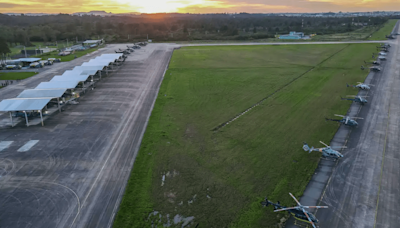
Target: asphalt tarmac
x=73 y=171
x=362 y=189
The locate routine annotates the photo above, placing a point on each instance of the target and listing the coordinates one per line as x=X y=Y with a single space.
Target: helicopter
x=357 y=98
x=347 y=120
x=326 y=151
x=374 y=62
x=384 y=49
x=381 y=57
x=376 y=68
x=390 y=37
x=361 y=85
x=298 y=211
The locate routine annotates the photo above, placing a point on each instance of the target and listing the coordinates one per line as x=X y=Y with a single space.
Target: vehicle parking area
x=72 y=171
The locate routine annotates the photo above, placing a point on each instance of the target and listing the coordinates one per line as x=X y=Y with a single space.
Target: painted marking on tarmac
x=28 y=145
x=5 y=144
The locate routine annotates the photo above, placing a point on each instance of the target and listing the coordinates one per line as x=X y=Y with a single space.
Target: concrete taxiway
x=72 y=172
x=362 y=189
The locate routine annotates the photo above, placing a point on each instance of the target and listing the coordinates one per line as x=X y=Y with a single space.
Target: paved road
x=363 y=190
x=286 y=43
x=73 y=171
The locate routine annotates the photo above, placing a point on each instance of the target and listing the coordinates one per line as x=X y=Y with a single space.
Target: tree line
x=168 y=27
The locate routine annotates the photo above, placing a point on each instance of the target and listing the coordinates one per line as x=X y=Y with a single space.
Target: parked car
x=13 y=67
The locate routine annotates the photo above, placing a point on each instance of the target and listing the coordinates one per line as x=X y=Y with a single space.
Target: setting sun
x=156 y=6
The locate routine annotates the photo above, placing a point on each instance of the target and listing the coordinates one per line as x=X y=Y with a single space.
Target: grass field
x=359 y=34
x=221 y=177
x=16 y=75
x=383 y=31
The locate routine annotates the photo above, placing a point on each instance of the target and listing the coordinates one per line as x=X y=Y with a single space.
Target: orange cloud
x=195 y=6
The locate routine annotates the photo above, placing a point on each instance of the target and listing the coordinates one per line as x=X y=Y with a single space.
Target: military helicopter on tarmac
x=384 y=49
x=359 y=99
x=347 y=120
x=391 y=36
x=374 y=62
x=298 y=211
x=381 y=57
x=376 y=68
x=326 y=151
x=361 y=85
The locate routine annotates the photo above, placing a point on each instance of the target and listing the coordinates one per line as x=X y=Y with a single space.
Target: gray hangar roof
x=23 y=104
x=64 y=78
x=58 y=85
x=42 y=93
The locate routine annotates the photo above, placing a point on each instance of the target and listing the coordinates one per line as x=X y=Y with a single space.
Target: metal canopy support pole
x=41 y=117
x=12 y=124
x=58 y=104
x=26 y=118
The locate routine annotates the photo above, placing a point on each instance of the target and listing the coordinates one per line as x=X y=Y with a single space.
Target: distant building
x=294 y=36
x=93 y=13
x=92 y=43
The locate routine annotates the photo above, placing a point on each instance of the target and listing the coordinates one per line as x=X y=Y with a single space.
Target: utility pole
x=67 y=42
x=25 y=52
x=128 y=36
x=76 y=39
x=56 y=44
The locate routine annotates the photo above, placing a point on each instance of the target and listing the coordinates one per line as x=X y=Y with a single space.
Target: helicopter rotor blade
x=350 y=95
x=323 y=143
x=298 y=203
x=340 y=115
x=285 y=209
x=360 y=118
x=347 y=120
x=315 y=206
x=308 y=217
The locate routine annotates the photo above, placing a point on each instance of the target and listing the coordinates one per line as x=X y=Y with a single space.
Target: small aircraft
x=347 y=120
x=361 y=85
x=326 y=151
x=359 y=99
x=298 y=211
x=374 y=62
x=381 y=57
x=382 y=53
x=386 y=45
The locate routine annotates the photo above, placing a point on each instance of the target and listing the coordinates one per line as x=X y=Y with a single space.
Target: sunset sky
x=195 y=6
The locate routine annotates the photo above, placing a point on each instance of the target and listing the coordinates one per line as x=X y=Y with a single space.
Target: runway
x=72 y=172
